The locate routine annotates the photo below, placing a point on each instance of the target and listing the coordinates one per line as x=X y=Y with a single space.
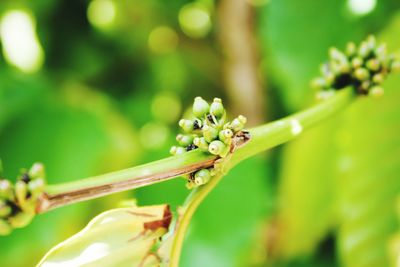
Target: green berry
x=362 y=74
x=373 y=64
x=218 y=148
x=37 y=171
x=210 y=133
x=319 y=83
x=377 y=91
x=200 y=107
x=184 y=139
x=5 y=227
x=225 y=136
x=6 y=190
x=202 y=177
x=21 y=192
x=351 y=49
x=378 y=78
x=177 y=150
x=357 y=62
x=216 y=108
x=238 y=123
x=201 y=143
x=36 y=187
x=5 y=209
x=21 y=219
x=364 y=50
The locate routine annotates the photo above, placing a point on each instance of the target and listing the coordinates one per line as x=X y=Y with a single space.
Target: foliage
x=107 y=93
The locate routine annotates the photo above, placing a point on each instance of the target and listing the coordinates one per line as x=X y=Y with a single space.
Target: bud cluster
x=208 y=131
x=18 y=202
x=364 y=67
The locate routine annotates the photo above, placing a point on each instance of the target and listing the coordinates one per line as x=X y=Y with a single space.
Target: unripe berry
x=225 y=136
x=357 y=62
x=5 y=227
x=238 y=123
x=216 y=108
x=373 y=64
x=200 y=107
x=218 y=148
x=5 y=209
x=210 y=133
x=202 y=177
x=184 y=139
x=177 y=150
x=21 y=219
x=201 y=143
x=351 y=49
x=6 y=190
x=362 y=74
x=377 y=91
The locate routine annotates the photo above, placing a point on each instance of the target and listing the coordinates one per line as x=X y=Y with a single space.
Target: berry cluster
x=364 y=67
x=18 y=202
x=208 y=131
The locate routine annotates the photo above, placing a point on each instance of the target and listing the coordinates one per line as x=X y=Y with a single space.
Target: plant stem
x=139 y=176
x=263 y=137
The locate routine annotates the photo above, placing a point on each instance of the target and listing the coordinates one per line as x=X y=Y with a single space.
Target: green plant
x=210 y=146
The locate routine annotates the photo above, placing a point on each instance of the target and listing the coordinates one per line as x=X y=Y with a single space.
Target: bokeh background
x=88 y=87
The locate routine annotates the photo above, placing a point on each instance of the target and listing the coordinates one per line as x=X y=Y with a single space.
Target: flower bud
x=373 y=64
x=21 y=219
x=225 y=136
x=357 y=62
x=395 y=66
x=202 y=177
x=37 y=171
x=5 y=227
x=364 y=50
x=351 y=49
x=238 y=123
x=5 y=209
x=21 y=192
x=200 y=107
x=362 y=74
x=216 y=108
x=6 y=190
x=319 y=83
x=201 y=143
x=378 y=78
x=218 y=148
x=36 y=187
x=377 y=91
x=184 y=139
x=189 y=126
x=177 y=150
x=210 y=133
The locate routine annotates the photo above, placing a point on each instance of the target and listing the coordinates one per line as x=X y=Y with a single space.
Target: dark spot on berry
x=196 y=125
x=342 y=81
x=25 y=178
x=210 y=118
x=191 y=147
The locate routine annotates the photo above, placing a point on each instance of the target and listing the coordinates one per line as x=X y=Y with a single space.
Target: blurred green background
x=88 y=87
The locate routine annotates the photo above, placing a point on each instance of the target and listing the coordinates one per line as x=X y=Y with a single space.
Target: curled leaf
x=119 y=237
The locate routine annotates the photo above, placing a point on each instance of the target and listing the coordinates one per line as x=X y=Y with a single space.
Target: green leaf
x=119 y=237
x=368 y=179
x=306 y=192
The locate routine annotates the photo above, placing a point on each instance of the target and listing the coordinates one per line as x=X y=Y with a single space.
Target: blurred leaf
x=368 y=178
x=119 y=237
x=306 y=192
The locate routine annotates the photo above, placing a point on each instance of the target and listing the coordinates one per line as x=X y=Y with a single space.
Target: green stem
x=262 y=138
